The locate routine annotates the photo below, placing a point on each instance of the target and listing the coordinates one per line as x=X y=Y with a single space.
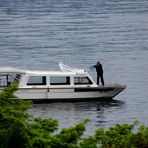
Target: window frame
x=43 y=83
x=60 y=83
x=81 y=79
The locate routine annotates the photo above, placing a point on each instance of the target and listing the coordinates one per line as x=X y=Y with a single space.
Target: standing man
x=99 y=70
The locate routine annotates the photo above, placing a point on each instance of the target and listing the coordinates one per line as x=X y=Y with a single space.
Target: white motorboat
x=68 y=84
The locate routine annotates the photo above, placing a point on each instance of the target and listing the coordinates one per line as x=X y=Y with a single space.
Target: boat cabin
x=38 y=79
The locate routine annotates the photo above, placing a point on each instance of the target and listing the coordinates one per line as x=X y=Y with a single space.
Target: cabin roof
x=6 y=70
x=49 y=73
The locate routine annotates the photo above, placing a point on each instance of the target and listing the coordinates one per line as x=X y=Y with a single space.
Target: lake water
x=37 y=34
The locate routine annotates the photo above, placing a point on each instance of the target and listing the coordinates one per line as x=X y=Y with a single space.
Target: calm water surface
x=37 y=34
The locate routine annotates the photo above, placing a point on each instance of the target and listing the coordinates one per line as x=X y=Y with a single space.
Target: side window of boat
x=3 y=80
x=37 y=80
x=59 y=80
x=6 y=80
x=82 y=80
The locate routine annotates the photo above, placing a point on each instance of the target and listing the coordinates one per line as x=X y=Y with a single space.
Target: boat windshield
x=7 y=79
x=82 y=80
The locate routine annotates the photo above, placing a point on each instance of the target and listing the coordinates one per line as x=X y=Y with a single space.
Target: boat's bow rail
x=66 y=68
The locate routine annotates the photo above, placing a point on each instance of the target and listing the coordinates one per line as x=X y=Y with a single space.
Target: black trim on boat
x=92 y=89
x=38 y=101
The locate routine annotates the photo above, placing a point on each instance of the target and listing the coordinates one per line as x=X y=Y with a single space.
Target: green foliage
x=122 y=136
x=18 y=129
x=13 y=119
x=69 y=137
x=40 y=131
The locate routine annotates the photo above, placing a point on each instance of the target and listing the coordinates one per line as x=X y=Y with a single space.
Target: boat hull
x=70 y=94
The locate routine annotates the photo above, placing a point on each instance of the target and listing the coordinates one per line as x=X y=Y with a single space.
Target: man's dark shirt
x=99 y=68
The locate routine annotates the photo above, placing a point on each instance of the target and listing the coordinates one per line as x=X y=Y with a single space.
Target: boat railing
x=66 y=68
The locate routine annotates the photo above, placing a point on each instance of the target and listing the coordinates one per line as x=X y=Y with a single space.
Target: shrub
x=21 y=130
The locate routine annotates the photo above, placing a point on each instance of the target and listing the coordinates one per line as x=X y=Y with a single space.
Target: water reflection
x=70 y=113
x=110 y=104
